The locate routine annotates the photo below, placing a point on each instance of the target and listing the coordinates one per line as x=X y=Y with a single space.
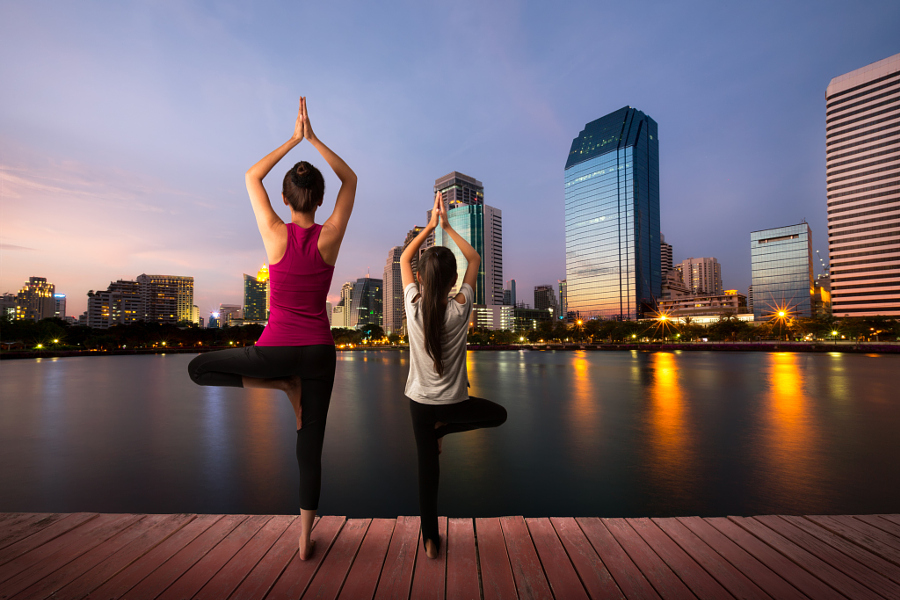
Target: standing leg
x=429 y=473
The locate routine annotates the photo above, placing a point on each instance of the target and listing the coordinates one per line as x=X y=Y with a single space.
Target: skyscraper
x=482 y=226
x=612 y=217
x=862 y=150
x=702 y=275
x=457 y=190
x=167 y=298
x=59 y=309
x=563 y=298
x=509 y=293
x=545 y=299
x=35 y=300
x=120 y=304
x=393 y=291
x=782 y=272
x=366 y=303
x=665 y=255
x=256 y=292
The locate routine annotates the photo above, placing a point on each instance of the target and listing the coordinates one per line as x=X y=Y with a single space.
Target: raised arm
x=270 y=225
x=406 y=274
x=335 y=226
x=468 y=252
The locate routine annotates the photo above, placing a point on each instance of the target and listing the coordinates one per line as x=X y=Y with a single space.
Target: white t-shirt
x=424 y=385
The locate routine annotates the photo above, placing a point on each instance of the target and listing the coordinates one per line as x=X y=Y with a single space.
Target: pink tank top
x=299 y=285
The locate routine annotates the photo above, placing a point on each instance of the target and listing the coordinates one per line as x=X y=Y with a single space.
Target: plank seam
x=383 y=559
x=649 y=580
x=565 y=552
x=362 y=540
x=297 y=551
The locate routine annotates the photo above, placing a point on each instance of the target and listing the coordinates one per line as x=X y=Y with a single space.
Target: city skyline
x=125 y=132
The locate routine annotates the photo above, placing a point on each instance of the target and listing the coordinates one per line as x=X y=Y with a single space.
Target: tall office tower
x=612 y=217
x=366 y=304
x=782 y=271
x=256 y=290
x=167 y=298
x=665 y=255
x=862 y=158
x=703 y=276
x=459 y=190
x=410 y=236
x=8 y=305
x=59 y=308
x=228 y=313
x=563 y=299
x=545 y=298
x=195 y=316
x=120 y=304
x=509 y=293
x=750 y=297
x=35 y=300
x=393 y=291
x=482 y=226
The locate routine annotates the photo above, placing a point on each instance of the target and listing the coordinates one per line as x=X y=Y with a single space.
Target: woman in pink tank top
x=295 y=353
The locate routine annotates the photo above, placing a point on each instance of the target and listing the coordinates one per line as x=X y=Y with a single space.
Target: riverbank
x=767 y=346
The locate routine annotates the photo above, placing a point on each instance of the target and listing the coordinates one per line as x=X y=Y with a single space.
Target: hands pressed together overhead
x=302 y=127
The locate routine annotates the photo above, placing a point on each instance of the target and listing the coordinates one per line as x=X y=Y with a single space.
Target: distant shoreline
x=846 y=347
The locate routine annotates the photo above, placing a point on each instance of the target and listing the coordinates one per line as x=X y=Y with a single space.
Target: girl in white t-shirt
x=437 y=386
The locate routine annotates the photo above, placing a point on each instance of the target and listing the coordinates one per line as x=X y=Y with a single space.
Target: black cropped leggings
x=474 y=413
x=313 y=364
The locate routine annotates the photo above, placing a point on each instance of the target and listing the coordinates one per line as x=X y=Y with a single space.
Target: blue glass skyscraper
x=782 y=271
x=612 y=218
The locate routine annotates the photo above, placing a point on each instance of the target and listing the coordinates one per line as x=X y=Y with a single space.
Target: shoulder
x=466 y=294
x=411 y=293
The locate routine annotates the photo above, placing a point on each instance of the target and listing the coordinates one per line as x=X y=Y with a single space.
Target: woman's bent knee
x=194 y=369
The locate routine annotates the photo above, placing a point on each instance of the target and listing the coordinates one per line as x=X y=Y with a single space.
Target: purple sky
x=126 y=127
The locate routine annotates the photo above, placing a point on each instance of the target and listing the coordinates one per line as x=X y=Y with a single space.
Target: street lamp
x=834 y=337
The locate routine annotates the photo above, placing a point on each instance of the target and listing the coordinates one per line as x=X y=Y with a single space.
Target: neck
x=304 y=220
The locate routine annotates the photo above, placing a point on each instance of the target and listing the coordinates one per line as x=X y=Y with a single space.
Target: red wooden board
x=298 y=573
x=871 y=538
x=17 y=526
x=743 y=561
x=881 y=523
x=40 y=534
x=263 y=575
x=327 y=582
x=397 y=572
x=429 y=576
x=563 y=579
x=496 y=573
x=462 y=561
x=593 y=573
x=363 y=577
x=666 y=583
x=626 y=574
x=526 y=567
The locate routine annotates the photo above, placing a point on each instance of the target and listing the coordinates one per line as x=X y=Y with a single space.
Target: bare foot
x=305 y=553
x=431 y=550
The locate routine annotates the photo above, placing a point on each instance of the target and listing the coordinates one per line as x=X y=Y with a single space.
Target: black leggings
x=313 y=364
x=474 y=413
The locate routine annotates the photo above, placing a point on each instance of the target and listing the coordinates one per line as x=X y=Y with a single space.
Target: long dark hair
x=437 y=268
x=303 y=187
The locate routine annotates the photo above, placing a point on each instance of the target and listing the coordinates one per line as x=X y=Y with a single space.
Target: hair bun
x=302 y=176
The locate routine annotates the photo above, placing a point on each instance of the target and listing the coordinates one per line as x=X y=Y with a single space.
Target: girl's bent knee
x=194 y=369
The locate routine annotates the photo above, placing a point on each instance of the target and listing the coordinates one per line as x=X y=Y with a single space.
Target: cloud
x=15 y=247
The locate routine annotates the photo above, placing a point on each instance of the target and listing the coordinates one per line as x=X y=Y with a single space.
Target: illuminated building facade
x=545 y=299
x=482 y=226
x=563 y=298
x=459 y=190
x=862 y=158
x=612 y=217
x=702 y=275
x=366 y=303
x=167 y=298
x=35 y=300
x=782 y=271
x=120 y=304
x=256 y=296
x=393 y=291
x=59 y=307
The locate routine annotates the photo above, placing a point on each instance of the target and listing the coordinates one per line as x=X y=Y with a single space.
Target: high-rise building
x=862 y=154
x=393 y=291
x=665 y=255
x=59 y=309
x=256 y=293
x=545 y=299
x=196 y=319
x=35 y=300
x=8 y=305
x=782 y=271
x=458 y=190
x=167 y=298
x=120 y=304
x=612 y=217
x=230 y=315
x=482 y=226
x=563 y=298
x=702 y=275
x=367 y=302
x=509 y=293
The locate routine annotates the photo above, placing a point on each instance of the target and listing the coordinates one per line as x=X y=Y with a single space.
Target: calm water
x=614 y=434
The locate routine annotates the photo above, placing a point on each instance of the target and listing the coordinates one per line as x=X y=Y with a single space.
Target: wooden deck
x=102 y=556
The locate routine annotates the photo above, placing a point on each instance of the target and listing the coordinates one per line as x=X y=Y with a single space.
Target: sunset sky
x=126 y=127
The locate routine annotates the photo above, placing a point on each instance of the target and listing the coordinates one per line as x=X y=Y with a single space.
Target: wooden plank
x=497 y=579
x=741 y=560
x=32 y=566
x=891 y=518
x=626 y=574
x=882 y=524
x=397 y=572
x=561 y=574
x=17 y=526
x=298 y=573
x=784 y=567
x=593 y=573
x=429 y=577
x=330 y=577
x=263 y=575
x=806 y=559
x=660 y=576
x=123 y=581
x=688 y=570
x=363 y=577
x=462 y=561
x=146 y=540
x=724 y=572
x=871 y=538
x=526 y=566
x=230 y=576
x=206 y=567
x=837 y=559
x=889 y=570
x=41 y=533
